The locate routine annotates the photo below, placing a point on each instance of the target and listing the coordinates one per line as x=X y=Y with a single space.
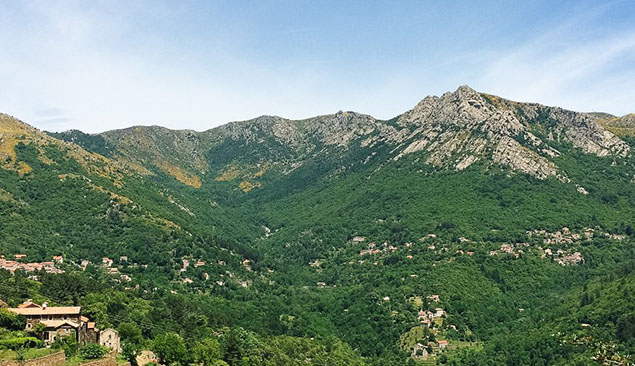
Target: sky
x=101 y=65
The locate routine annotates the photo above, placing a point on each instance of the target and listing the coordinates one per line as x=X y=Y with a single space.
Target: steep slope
x=463 y=127
x=176 y=153
x=14 y=133
x=469 y=159
x=56 y=197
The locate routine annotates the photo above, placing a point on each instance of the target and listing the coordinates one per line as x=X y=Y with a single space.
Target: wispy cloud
x=103 y=65
x=558 y=69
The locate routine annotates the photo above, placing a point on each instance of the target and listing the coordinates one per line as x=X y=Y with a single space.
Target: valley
x=469 y=230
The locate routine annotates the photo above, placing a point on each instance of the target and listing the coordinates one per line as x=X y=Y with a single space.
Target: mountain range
x=454 y=131
x=286 y=204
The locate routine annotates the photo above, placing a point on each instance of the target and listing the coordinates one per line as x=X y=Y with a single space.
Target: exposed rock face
x=452 y=131
x=511 y=153
x=582 y=131
x=461 y=128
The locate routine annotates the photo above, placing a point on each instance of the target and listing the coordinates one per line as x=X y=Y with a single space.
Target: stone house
x=64 y=321
x=110 y=338
x=59 y=321
x=419 y=351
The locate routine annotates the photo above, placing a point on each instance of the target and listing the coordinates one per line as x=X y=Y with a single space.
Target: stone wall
x=109 y=360
x=55 y=359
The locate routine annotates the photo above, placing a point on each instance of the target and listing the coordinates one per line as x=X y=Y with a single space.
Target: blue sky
x=99 y=65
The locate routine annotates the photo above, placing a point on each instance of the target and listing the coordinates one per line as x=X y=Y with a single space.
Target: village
x=428 y=341
x=432 y=337
x=18 y=264
x=426 y=347
x=557 y=246
x=119 y=269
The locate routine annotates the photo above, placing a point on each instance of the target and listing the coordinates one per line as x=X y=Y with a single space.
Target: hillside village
x=19 y=264
x=558 y=246
x=428 y=341
x=122 y=269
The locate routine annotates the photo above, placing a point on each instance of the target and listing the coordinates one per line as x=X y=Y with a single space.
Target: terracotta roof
x=91 y=325
x=59 y=323
x=28 y=304
x=83 y=319
x=51 y=310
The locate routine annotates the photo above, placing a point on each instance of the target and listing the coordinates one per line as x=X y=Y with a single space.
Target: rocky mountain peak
x=465 y=92
x=465 y=126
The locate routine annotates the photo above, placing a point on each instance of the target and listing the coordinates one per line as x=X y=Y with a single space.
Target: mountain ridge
x=454 y=130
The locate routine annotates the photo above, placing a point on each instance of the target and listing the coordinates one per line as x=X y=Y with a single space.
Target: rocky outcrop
x=461 y=128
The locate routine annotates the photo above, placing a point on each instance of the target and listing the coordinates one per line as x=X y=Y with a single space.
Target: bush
x=92 y=351
x=20 y=342
x=68 y=344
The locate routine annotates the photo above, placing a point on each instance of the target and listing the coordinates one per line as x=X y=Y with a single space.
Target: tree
x=626 y=327
x=11 y=320
x=207 y=351
x=130 y=333
x=130 y=351
x=232 y=348
x=170 y=349
x=38 y=330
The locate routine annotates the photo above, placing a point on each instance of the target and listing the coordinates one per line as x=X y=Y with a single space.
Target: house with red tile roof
x=63 y=321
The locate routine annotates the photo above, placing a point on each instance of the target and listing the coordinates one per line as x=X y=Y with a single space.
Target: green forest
x=333 y=263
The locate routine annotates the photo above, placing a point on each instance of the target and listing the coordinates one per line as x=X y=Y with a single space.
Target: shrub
x=20 y=342
x=92 y=351
x=68 y=344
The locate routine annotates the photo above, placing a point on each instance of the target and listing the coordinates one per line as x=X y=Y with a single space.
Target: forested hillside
x=469 y=230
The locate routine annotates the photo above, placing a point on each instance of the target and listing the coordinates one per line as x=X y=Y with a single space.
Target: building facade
x=65 y=321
